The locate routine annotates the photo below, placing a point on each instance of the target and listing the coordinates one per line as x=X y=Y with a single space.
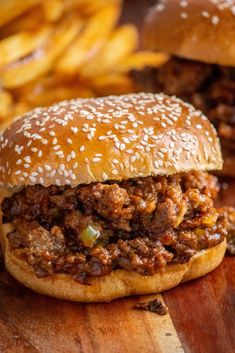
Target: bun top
x=115 y=138
x=202 y=30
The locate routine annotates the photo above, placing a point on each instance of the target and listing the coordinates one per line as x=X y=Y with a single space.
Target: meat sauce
x=137 y=225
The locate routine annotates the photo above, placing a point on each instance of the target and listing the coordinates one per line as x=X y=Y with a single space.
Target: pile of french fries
x=51 y=50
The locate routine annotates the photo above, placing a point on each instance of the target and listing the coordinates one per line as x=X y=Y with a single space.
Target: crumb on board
x=154 y=306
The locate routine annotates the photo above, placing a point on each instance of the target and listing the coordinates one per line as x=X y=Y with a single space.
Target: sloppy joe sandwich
x=110 y=197
x=199 y=37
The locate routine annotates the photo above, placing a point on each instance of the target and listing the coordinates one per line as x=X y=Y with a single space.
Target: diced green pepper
x=89 y=235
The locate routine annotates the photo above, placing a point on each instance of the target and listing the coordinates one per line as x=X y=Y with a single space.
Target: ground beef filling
x=229 y=213
x=138 y=225
x=210 y=88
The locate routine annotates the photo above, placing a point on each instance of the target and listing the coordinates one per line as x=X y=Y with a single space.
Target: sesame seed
x=55 y=148
x=205 y=14
x=32 y=179
x=126 y=140
x=160 y=154
x=57 y=181
x=115 y=161
x=183 y=3
x=145 y=138
x=132 y=159
x=163 y=150
x=156 y=164
x=73 y=154
x=129 y=151
x=27 y=159
x=184 y=15
x=101 y=138
x=215 y=20
x=160 y=7
x=122 y=146
x=74 y=129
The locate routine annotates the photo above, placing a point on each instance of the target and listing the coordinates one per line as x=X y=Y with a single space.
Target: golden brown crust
x=115 y=138
x=202 y=30
x=118 y=284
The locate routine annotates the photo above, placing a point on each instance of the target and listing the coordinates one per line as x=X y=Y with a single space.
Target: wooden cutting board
x=201 y=318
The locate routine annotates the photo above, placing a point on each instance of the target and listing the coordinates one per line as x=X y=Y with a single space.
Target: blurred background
x=51 y=50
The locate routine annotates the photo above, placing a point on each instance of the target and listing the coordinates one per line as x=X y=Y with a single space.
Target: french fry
x=90 y=41
x=31 y=20
x=51 y=50
x=13 y=8
x=53 y=9
x=20 y=108
x=23 y=44
x=50 y=90
x=114 y=83
x=90 y=7
x=41 y=61
x=122 y=42
x=6 y=102
x=141 y=59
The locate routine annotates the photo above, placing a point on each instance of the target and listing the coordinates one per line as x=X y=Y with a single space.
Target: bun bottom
x=118 y=283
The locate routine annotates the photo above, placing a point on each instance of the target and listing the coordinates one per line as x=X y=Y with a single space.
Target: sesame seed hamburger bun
x=201 y=30
x=113 y=138
x=88 y=141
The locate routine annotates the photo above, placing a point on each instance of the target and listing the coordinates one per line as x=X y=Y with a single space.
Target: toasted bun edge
x=118 y=283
